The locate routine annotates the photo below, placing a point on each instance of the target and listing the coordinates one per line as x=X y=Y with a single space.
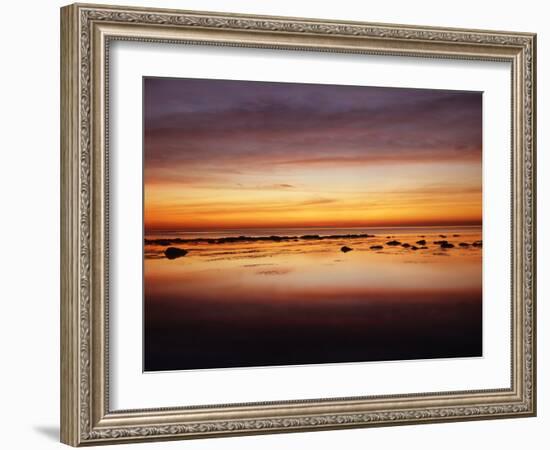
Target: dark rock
x=229 y=240
x=405 y=245
x=456 y=235
x=174 y=252
x=447 y=245
x=464 y=244
x=310 y=236
x=414 y=247
x=163 y=242
x=442 y=236
x=478 y=244
x=393 y=243
x=441 y=242
x=376 y=247
x=346 y=236
x=421 y=242
x=423 y=247
x=345 y=249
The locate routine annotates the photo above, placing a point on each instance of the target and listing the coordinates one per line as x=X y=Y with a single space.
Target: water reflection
x=258 y=303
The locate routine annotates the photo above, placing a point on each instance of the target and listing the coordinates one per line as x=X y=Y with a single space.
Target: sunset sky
x=239 y=154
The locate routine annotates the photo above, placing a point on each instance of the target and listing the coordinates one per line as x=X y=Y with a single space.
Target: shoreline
x=443 y=243
x=275 y=238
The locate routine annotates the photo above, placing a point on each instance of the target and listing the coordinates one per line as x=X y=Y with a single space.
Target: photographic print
x=310 y=225
x=291 y=224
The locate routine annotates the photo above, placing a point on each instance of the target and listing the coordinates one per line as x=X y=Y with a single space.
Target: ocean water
x=264 y=303
x=381 y=231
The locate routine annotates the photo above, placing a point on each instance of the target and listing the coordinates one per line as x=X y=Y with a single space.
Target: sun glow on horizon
x=276 y=155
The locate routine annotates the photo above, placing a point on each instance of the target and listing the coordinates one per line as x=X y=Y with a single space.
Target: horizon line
x=469 y=225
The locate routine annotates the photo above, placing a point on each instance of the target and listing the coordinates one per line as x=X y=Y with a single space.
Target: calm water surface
x=305 y=302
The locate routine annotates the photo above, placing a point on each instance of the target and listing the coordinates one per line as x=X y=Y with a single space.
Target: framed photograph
x=274 y=224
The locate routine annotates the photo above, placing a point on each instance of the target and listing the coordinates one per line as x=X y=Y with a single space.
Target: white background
x=29 y=228
x=132 y=389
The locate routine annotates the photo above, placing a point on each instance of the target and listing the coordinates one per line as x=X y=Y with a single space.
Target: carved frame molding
x=86 y=32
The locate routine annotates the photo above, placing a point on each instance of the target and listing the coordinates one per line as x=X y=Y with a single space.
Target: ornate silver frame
x=86 y=31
